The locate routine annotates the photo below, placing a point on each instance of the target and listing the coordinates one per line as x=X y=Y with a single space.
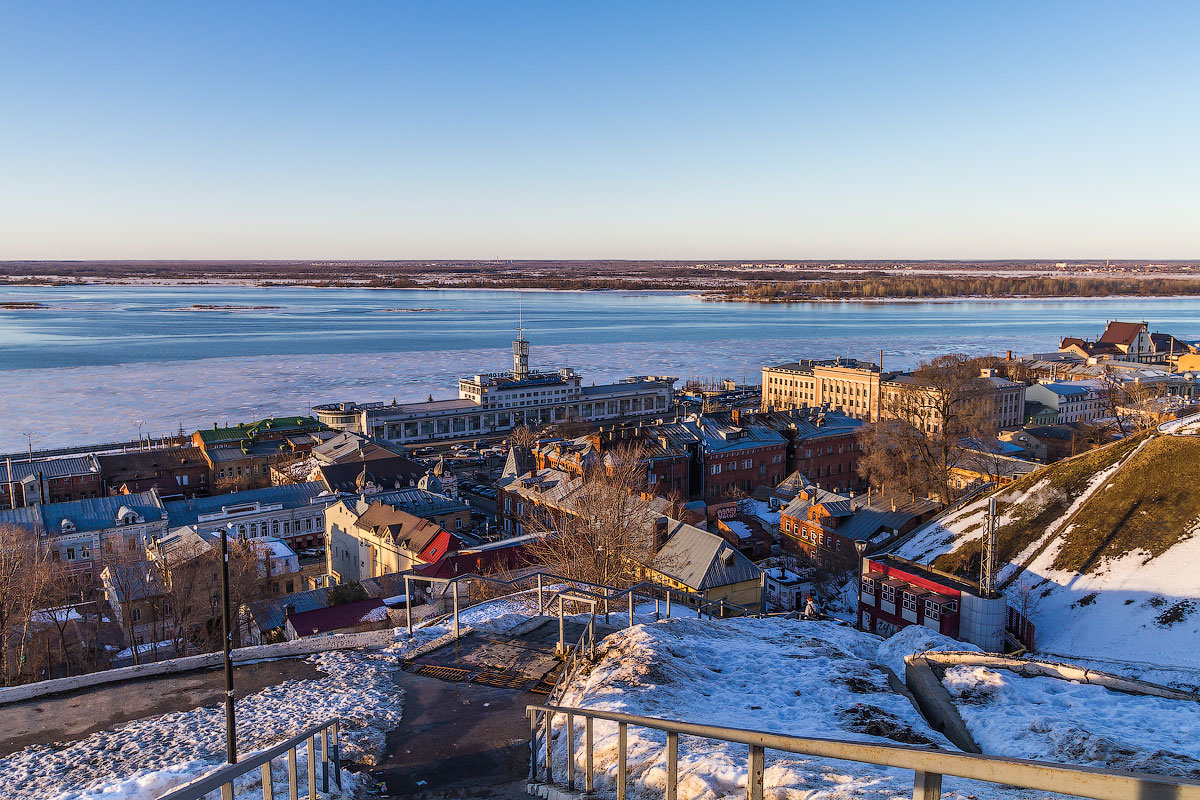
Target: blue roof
x=295 y=495
x=1065 y=389
x=92 y=514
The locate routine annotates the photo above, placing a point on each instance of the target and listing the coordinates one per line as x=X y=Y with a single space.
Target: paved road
x=457 y=740
x=67 y=717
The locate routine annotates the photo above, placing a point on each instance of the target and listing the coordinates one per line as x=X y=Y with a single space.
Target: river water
x=98 y=360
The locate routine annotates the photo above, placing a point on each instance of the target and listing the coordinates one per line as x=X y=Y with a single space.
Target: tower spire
x=520 y=345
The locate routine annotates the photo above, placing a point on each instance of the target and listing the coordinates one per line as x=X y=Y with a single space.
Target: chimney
x=660 y=533
x=1008 y=356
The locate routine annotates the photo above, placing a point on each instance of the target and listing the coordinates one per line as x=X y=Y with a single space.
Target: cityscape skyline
x=530 y=130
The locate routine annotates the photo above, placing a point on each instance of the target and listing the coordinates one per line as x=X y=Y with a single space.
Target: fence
x=1020 y=627
x=928 y=765
x=330 y=755
x=604 y=595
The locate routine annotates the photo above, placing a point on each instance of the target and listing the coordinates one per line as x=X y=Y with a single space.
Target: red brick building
x=182 y=471
x=668 y=461
x=825 y=527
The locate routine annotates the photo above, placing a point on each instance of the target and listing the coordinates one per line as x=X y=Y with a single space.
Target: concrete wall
x=300 y=647
x=1030 y=667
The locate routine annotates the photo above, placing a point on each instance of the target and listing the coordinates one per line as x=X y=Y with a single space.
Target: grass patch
x=1152 y=504
x=1059 y=486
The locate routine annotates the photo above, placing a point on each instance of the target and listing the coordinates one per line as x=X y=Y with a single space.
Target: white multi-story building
x=1073 y=401
x=499 y=401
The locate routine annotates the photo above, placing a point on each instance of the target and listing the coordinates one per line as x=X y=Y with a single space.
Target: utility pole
x=230 y=724
x=29 y=442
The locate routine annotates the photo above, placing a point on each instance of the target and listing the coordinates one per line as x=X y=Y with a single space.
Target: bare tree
x=1129 y=403
x=1025 y=596
x=62 y=594
x=523 y=436
x=604 y=530
x=24 y=577
x=927 y=426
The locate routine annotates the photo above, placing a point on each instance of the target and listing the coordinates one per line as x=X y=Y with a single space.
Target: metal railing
x=927 y=764
x=606 y=595
x=328 y=733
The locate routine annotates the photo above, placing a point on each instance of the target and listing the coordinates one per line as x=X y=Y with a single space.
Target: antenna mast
x=987 y=564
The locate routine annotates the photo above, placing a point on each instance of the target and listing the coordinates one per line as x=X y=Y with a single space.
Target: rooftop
x=49 y=468
x=296 y=495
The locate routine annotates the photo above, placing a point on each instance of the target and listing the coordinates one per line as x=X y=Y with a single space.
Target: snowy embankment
x=146 y=757
x=1055 y=720
x=142 y=759
x=798 y=677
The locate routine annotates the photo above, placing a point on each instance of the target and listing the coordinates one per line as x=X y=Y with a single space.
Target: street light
x=227 y=636
x=861 y=546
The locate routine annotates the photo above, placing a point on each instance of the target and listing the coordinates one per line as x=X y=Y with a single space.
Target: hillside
x=1099 y=548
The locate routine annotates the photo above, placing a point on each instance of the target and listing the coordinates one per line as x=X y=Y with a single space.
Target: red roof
x=478 y=561
x=1121 y=332
x=333 y=618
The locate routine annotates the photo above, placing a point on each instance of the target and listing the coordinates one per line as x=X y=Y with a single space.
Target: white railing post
x=293 y=779
x=268 y=787
x=622 y=767
x=754 y=777
x=672 y=765
x=533 y=755
x=926 y=785
x=588 y=781
x=562 y=630
x=408 y=602
x=631 y=609
x=668 y=603
x=571 y=752
x=549 y=745
x=312 y=767
x=455 y=584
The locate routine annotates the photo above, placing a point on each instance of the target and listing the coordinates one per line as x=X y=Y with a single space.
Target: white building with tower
x=494 y=402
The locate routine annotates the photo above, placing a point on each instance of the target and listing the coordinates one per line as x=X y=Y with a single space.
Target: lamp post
x=230 y=725
x=861 y=547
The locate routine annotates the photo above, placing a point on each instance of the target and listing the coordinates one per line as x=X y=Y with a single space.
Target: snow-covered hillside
x=793 y=676
x=1099 y=550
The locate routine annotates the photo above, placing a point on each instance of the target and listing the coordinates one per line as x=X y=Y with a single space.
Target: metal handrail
x=602 y=592
x=329 y=734
x=928 y=764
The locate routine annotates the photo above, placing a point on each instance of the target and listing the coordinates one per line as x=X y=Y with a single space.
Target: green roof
x=251 y=430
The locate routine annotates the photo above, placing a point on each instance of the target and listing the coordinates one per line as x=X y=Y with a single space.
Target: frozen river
x=97 y=360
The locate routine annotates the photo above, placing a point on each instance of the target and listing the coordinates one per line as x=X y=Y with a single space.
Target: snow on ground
x=146 y=757
x=804 y=678
x=1184 y=426
x=1055 y=720
x=1075 y=613
x=916 y=639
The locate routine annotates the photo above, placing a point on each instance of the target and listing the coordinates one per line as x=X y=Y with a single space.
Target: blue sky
x=688 y=130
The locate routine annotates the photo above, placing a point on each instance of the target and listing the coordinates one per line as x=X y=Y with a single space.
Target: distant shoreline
x=708 y=296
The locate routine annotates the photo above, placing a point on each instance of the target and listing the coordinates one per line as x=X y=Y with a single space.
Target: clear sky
x=572 y=129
